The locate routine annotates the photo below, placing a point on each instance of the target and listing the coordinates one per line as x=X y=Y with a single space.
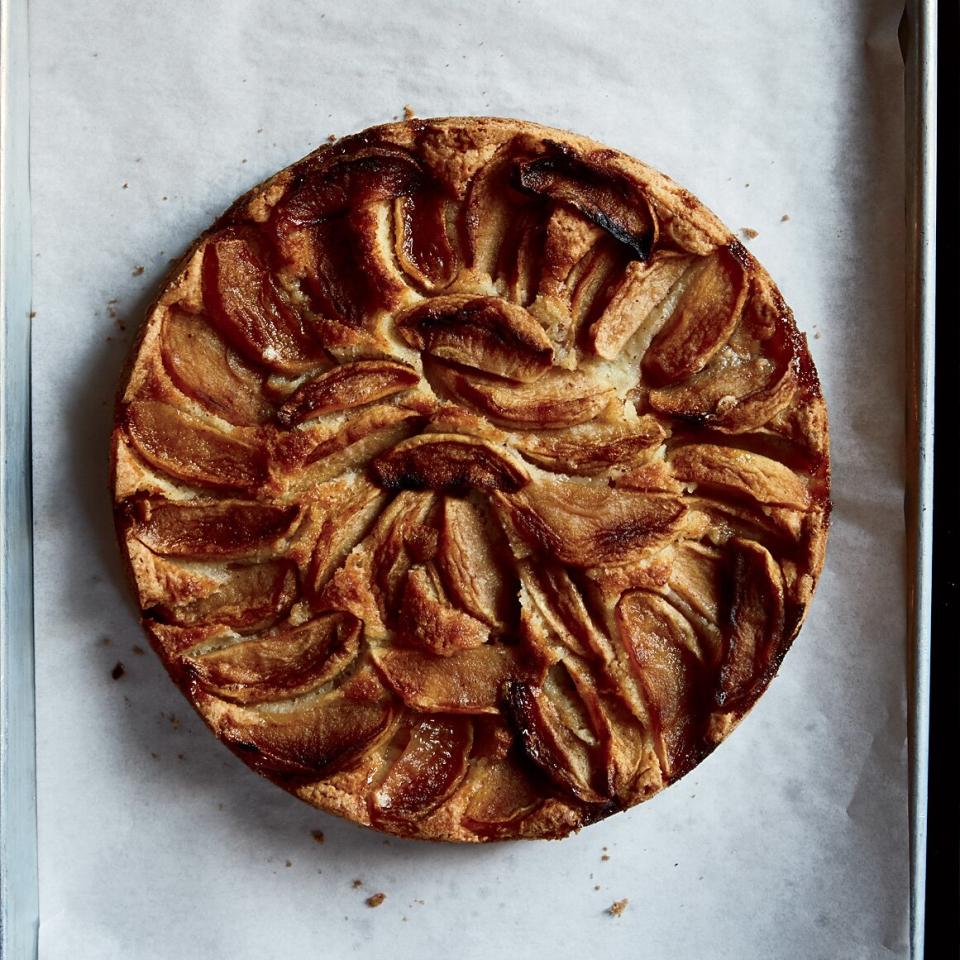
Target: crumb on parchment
x=408 y=112
x=118 y=671
x=617 y=907
x=376 y=899
x=357 y=884
x=318 y=835
x=137 y=270
x=749 y=232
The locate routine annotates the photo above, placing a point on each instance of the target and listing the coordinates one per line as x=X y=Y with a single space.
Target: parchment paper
x=147 y=120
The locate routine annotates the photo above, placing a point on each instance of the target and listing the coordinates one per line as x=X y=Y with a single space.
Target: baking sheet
x=791 y=840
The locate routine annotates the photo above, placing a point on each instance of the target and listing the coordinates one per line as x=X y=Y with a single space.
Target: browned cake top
x=473 y=479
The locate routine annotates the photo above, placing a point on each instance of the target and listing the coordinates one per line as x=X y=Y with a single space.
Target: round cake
x=472 y=478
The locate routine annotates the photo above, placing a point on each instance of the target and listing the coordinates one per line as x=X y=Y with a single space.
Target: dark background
x=943 y=852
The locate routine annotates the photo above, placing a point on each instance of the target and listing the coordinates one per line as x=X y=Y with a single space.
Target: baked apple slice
x=707 y=314
x=246 y=305
x=587 y=524
x=317 y=738
x=473 y=563
x=430 y=621
x=755 y=627
x=425 y=246
x=432 y=765
x=189 y=448
x=447 y=462
x=505 y=793
x=488 y=333
x=732 y=471
x=201 y=364
x=641 y=289
x=252 y=597
x=176 y=528
x=346 y=387
x=559 y=398
x=467 y=682
x=287 y=662
x=555 y=732
x=592 y=448
x=603 y=194
x=677 y=687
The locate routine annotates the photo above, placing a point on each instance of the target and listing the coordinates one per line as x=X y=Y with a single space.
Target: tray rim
x=19 y=887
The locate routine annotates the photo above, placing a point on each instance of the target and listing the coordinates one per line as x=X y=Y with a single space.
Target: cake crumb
x=617 y=907
x=33 y=313
x=138 y=650
x=376 y=899
x=605 y=857
x=785 y=218
x=408 y=112
x=357 y=884
x=749 y=232
x=332 y=138
x=289 y=863
x=118 y=671
x=125 y=185
x=596 y=886
x=137 y=270
x=318 y=835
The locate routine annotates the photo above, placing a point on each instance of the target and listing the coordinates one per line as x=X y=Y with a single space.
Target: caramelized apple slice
x=333 y=188
x=227 y=528
x=306 y=459
x=739 y=472
x=471 y=565
x=316 y=739
x=205 y=368
x=492 y=213
x=592 y=448
x=585 y=524
x=755 y=626
x=430 y=621
x=467 y=682
x=423 y=244
x=341 y=517
x=285 y=663
x=483 y=332
x=707 y=314
x=432 y=765
x=675 y=684
x=251 y=598
x=245 y=304
x=188 y=448
x=369 y=582
x=555 y=733
x=733 y=393
x=346 y=387
x=601 y=193
x=505 y=794
x=642 y=288
x=622 y=737
x=569 y=238
x=550 y=595
x=439 y=461
x=559 y=398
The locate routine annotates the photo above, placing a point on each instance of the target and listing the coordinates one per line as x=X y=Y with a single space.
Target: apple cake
x=472 y=478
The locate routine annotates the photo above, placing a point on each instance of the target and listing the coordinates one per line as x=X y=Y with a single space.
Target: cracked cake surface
x=472 y=478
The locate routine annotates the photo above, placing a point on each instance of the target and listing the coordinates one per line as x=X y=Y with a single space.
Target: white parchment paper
x=148 y=119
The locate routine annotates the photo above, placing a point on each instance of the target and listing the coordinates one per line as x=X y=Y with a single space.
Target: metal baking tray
x=19 y=901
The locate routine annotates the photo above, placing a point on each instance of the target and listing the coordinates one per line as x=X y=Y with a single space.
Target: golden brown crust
x=472 y=479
